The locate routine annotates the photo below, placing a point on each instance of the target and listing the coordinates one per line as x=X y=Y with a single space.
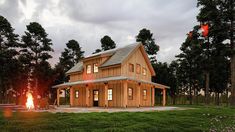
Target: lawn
x=198 y=119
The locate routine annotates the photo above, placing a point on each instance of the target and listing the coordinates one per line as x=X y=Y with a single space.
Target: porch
x=86 y=93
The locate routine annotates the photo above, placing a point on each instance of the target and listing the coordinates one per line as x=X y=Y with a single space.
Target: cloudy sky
x=87 y=21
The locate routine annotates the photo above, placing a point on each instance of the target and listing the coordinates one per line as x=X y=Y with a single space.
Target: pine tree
x=146 y=38
x=9 y=65
x=69 y=57
x=36 y=48
x=107 y=43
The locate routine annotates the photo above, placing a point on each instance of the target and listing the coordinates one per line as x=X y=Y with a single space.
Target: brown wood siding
x=147 y=101
x=136 y=58
x=116 y=101
x=132 y=102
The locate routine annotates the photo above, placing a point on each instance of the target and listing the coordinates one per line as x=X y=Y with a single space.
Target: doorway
x=96 y=98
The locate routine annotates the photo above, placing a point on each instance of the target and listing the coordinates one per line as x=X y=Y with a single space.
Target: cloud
x=88 y=21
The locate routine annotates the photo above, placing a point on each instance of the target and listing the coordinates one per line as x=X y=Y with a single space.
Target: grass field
x=198 y=119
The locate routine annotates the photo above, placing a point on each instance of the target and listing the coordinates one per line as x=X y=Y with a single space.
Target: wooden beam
x=58 y=97
x=87 y=96
x=138 y=94
x=164 y=97
x=71 y=96
x=106 y=95
x=153 y=96
x=124 y=94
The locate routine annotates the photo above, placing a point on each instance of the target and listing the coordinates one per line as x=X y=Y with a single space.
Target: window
x=144 y=94
x=131 y=67
x=138 y=68
x=95 y=67
x=144 y=71
x=130 y=93
x=88 y=69
x=110 y=94
x=76 y=94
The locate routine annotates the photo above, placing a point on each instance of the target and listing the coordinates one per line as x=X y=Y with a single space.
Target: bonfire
x=29 y=103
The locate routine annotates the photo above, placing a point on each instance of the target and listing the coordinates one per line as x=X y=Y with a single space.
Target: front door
x=95 y=98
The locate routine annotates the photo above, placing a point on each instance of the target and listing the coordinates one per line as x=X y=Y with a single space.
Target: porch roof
x=107 y=79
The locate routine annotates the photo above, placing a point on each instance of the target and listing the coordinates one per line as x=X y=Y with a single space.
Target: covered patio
x=103 y=83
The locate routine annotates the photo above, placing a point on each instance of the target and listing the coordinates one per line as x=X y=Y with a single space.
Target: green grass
x=198 y=119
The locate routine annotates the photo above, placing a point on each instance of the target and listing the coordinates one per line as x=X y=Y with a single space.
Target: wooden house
x=119 y=77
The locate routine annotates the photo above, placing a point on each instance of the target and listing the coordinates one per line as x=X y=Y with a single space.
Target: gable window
x=110 y=94
x=88 y=69
x=76 y=93
x=144 y=71
x=95 y=67
x=130 y=93
x=131 y=67
x=144 y=94
x=138 y=68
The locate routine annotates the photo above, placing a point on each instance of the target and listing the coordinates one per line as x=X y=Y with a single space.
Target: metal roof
x=117 y=57
x=78 y=67
x=108 y=79
x=120 y=55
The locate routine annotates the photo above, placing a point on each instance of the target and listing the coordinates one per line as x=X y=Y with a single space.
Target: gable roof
x=118 y=56
x=77 y=68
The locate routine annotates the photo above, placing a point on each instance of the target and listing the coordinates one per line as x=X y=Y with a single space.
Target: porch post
x=71 y=97
x=164 y=96
x=105 y=94
x=153 y=96
x=87 y=96
x=138 y=94
x=58 y=96
x=125 y=94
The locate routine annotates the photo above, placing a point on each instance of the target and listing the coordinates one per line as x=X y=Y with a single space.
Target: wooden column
x=164 y=97
x=153 y=96
x=105 y=94
x=71 y=97
x=58 y=97
x=87 y=96
x=138 y=94
x=124 y=94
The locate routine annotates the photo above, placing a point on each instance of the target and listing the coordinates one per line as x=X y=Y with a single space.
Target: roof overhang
x=107 y=79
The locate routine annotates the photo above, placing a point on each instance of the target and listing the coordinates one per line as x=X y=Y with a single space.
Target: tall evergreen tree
x=36 y=48
x=69 y=57
x=218 y=51
x=146 y=38
x=107 y=43
x=9 y=66
x=190 y=61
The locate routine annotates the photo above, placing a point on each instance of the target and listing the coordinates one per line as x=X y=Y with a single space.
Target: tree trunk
x=207 y=88
x=217 y=99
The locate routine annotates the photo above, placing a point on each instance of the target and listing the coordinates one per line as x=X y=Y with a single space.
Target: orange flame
x=29 y=103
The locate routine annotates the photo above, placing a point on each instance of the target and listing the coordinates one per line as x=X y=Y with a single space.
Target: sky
x=87 y=21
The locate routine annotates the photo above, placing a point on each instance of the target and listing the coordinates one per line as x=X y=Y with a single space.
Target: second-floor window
x=95 y=67
x=138 y=68
x=131 y=67
x=144 y=71
x=88 y=69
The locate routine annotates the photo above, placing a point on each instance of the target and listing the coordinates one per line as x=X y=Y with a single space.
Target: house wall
x=118 y=96
x=107 y=72
x=136 y=58
x=143 y=102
